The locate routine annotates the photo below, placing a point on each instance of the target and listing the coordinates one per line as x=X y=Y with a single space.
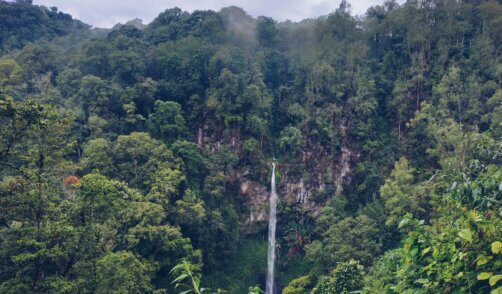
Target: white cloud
x=106 y=13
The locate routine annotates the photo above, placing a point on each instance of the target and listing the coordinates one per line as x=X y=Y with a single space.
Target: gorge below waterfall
x=272 y=222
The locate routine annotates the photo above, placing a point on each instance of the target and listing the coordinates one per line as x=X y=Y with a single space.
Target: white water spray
x=272 y=221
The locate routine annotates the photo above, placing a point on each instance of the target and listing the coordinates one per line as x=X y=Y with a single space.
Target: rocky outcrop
x=256 y=197
x=343 y=165
x=327 y=175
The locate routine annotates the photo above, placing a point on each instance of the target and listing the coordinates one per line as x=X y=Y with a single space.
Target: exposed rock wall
x=325 y=172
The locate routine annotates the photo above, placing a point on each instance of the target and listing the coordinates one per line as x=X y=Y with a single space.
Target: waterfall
x=272 y=221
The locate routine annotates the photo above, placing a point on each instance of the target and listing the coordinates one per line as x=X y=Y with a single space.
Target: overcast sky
x=106 y=13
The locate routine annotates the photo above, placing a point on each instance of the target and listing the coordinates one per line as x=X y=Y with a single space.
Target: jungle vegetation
x=122 y=150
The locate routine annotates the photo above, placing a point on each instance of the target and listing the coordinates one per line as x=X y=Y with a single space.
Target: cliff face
x=256 y=197
x=308 y=193
x=327 y=174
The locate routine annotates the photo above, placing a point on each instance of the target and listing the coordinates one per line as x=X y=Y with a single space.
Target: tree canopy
x=137 y=159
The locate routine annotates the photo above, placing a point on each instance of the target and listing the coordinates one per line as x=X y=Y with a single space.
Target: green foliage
x=121 y=272
x=298 y=285
x=290 y=141
x=349 y=238
x=10 y=75
x=126 y=152
x=400 y=195
x=185 y=276
x=255 y=290
x=167 y=122
x=134 y=158
x=345 y=278
x=249 y=266
x=196 y=166
x=381 y=276
x=101 y=199
x=483 y=192
x=454 y=252
x=37 y=22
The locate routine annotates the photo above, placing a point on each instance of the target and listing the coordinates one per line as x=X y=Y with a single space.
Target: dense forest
x=138 y=159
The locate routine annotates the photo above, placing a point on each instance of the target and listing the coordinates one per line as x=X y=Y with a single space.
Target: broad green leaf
x=403 y=223
x=465 y=234
x=422 y=281
x=176 y=268
x=494 y=279
x=426 y=250
x=497 y=291
x=496 y=247
x=482 y=260
x=484 y=276
x=179 y=278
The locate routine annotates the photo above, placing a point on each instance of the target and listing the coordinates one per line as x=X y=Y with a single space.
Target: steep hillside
x=124 y=153
x=22 y=23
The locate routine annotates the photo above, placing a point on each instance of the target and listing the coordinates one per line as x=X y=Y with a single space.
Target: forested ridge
x=137 y=159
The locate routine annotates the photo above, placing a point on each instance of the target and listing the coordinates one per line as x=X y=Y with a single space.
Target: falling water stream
x=272 y=221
